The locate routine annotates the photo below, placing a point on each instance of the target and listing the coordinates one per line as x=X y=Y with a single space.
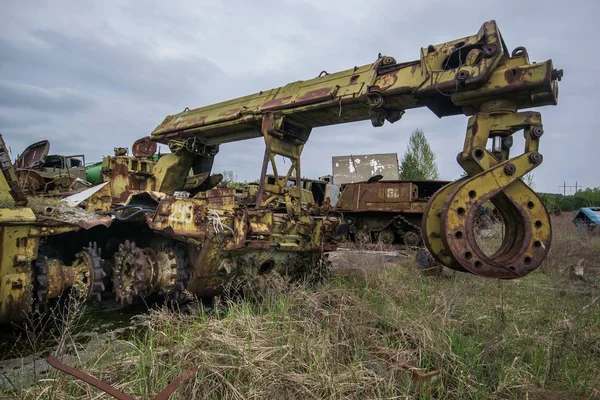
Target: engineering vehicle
x=386 y=212
x=163 y=227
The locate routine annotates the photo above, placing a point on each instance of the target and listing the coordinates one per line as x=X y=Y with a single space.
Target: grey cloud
x=140 y=64
x=18 y=118
x=100 y=67
x=20 y=95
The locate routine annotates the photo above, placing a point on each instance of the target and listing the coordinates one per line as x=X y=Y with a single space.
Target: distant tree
x=230 y=180
x=419 y=160
x=529 y=180
x=588 y=197
x=228 y=177
x=591 y=196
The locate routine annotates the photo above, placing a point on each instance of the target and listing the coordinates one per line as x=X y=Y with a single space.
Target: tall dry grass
x=386 y=333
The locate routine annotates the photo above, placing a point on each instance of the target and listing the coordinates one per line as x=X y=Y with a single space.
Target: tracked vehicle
x=378 y=207
x=163 y=227
x=386 y=212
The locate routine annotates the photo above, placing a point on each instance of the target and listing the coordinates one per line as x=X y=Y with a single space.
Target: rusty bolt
x=510 y=169
x=537 y=132
x=557 y=74
x=462 y=75
x=535 y=157
x=490 y=49
x=375 y=100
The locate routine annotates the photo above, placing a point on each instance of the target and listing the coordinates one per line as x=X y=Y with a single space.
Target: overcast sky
x=93 y=75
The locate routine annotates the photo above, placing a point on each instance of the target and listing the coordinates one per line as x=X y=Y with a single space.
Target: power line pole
x=564 y=187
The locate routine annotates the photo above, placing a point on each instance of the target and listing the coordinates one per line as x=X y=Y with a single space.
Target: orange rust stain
x=230 y=112
x=313 y=94
x=275 y=102
x=387 y=80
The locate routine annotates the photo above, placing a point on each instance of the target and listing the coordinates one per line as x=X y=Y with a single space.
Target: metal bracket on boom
x=285 y=138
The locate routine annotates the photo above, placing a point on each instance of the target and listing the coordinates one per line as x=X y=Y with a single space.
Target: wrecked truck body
x=41 y=172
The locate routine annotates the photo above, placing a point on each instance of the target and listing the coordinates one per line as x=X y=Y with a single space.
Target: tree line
x=560 y=203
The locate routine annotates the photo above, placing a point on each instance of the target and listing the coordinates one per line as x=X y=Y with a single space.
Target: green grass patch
x=392 y=333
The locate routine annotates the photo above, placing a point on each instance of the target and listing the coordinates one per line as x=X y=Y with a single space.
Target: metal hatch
x=34 y=156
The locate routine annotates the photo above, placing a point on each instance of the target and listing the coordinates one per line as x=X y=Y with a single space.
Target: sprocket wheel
x=386 y=237
x=91 y=256
x=172 y=274
x=411 y=239
x=134 y=270
x=362 y=236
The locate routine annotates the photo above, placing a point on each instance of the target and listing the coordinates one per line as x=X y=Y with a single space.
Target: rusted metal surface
x=127 y=174
x=388 y=196
x=59 y=277
x=462 y=76
x=101 y=201
x=30 y=181
x=218 y=198
x=39 y=172
x=33 y=156
x=134 y=271
x=144 y=147
x=494 y=177
x=172 y=387
x=471 y=60
x=221 y=239
x=9 y=185
x=380 y=196
x=111 y=390
x=97 y=383
x=139 y=272
x=85 y=276
x=17 y=252
x=180 y=218
x=388 y=212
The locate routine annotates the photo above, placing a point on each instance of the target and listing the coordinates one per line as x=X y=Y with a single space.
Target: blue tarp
x=589 y=214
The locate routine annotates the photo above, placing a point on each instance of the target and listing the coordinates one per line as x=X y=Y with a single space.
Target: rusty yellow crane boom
x=475 y=75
